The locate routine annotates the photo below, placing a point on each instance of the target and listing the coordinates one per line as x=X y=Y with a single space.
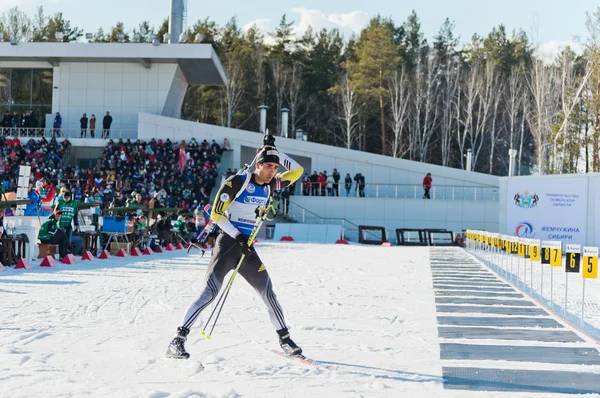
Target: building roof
x=198 y=62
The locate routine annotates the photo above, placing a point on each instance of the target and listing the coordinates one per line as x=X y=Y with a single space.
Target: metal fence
x=407 y=191
x=39 y=132
x=349 y=229
x=558 y=287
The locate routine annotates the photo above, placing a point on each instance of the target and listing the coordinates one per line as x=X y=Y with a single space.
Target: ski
x=303 y=359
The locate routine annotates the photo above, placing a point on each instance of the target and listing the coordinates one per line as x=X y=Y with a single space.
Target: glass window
x=20 y=86
x=41 y=87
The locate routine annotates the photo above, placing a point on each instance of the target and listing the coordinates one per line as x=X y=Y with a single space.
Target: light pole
x=512 y=157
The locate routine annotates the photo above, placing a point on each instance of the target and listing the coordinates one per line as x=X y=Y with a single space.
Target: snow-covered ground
x=101 y=329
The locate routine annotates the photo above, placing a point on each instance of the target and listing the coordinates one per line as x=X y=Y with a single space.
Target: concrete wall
x=406 y=213
x=377 y=169
x=122 y=88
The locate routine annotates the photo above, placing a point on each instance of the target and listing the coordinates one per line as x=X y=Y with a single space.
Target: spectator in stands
x=30 y=121
x=361 y=188
x=336 y=183
x=348 y=184
x=322 y=181
x=357 y=183
x=106 y=123
x=360 y=184
x=226 y=145
x=314 y=184
x=57 y=125
x=216 y=148
x=15 y=122
x=93 y=126
x=285 y=196
x=427 y=186
x=83 y=123
x=152 y=204
x=6 y=123
x=305 y=185
x=119 y=200
x=330 y=182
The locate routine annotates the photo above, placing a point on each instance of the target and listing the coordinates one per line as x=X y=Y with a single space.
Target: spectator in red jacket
x=322 y=180
x=427 y=186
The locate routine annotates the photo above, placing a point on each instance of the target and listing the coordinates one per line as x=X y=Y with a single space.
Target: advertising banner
x=548 y=208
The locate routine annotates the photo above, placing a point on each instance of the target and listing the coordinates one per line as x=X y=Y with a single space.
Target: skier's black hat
x=268 y=155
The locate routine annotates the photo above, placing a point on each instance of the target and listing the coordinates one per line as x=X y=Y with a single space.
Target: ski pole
x=225 y=292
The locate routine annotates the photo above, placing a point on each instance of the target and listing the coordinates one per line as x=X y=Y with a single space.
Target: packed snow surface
x=101 y=329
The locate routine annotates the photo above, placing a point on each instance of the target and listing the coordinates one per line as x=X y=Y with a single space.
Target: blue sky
x=558 y=21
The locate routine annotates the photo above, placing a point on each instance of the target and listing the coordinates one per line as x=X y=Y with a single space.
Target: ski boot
x=176 y=348
x=287 y=344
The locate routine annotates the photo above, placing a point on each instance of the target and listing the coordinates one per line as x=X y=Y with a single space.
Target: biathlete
x=234 y=212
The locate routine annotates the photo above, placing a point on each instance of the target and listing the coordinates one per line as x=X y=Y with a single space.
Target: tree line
x=389 y=90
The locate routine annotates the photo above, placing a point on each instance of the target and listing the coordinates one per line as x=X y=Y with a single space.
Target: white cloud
x=5 y=5
x=549 y=50
x=352 y=22
x=355 y=20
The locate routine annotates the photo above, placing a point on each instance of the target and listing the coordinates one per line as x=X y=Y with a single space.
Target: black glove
x=268 y=140
x=242 y=240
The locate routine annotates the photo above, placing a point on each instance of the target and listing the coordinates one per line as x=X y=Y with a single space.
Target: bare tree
x=569 y=98
x=280 y=83
x=488 y=78
x=467 y=116
x=497 y=89
x=347 y=115
x=514 y=100
x=592 y=52
x=542 y=82
x=450 y=104
x=234 y=89
x=425 y=111
x=399 y=97
x=294 y=96
x=17 y=24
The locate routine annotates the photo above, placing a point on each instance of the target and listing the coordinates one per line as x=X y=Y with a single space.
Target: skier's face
x=266 y=171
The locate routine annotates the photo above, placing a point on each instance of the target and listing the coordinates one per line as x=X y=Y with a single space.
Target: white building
x=93 y=78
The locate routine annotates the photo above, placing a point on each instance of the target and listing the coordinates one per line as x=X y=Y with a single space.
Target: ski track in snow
x=101 y=329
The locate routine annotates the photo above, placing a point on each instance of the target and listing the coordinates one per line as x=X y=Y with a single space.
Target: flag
x=183 y=158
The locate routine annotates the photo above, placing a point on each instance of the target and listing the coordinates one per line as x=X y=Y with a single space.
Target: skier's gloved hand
x=268 y=140
x=242 y=240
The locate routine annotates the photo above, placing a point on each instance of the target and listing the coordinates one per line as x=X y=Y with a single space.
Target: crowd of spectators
x=44 y=157
x=323 y=184
x=127 y=171
x=129 y=168
x=11 y=122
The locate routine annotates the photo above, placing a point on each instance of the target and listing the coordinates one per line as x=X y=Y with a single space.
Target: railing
x=305 y=216
x=406 y=191
x=530 y=265
x=38 y=132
